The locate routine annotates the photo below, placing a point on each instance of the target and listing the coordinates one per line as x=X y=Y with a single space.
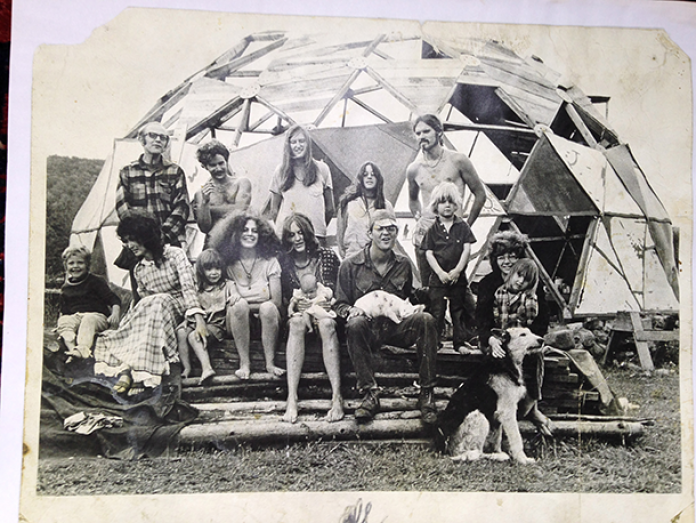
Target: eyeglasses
x=391 y=229
x=154 y=136
x=507 y=256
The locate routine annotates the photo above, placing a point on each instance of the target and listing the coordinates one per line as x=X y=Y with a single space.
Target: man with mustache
x=433 y=166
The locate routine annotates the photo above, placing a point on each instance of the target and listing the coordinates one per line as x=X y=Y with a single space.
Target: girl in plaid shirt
x=516 y=303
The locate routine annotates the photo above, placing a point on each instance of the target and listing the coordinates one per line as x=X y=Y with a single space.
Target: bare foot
x=206 y=377
x=243 y=373
x=185 y=373
x=290 y=415
x=275 y=371
x=336 y=412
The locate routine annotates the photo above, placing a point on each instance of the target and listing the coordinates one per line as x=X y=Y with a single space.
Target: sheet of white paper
x=37 y=23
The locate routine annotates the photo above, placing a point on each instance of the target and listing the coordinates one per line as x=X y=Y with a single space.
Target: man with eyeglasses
x=378 y=267
x=155 y=186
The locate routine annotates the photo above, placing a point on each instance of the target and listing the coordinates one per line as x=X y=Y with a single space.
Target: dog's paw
x=498 y=456
x=469 y=455
x=522 y=459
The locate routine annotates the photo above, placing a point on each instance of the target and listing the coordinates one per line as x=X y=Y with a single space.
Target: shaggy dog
x=382 y=303
x=487 y=402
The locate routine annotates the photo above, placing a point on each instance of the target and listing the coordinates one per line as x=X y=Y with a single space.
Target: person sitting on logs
x=248 y=247
x=144 y=346
x=378 y=267
x=304 y=256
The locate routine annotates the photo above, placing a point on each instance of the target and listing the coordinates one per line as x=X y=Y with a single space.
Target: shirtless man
x=223 y=193
x=434 y=166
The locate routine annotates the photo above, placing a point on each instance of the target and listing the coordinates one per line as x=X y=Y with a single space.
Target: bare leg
x=202 y=353
x=295 y=354
x=238 y=326
x=270 y=319
x=182 y=343
x=332 y=363
x=308 y=322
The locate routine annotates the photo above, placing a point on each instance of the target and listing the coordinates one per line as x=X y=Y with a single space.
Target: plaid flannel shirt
x=160 y=190
x=513 y=309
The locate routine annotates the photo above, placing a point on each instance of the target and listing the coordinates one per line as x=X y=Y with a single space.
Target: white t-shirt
x=307 y=200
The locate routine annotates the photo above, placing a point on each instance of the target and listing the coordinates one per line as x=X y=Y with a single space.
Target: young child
x=516 y=303
x=214 y=292
x=87 y=304
x=312 y=301
x=447 y=245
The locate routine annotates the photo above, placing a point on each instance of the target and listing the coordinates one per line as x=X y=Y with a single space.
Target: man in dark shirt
x=377 y=267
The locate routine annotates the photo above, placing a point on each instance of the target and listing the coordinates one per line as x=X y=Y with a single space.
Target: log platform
x=234 y=411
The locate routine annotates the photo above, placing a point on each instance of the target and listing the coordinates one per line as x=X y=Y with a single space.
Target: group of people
x=274 y=272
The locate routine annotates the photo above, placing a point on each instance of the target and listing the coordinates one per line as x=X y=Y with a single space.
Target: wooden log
x=266 y=407
x=226 y=433
x=219 y=416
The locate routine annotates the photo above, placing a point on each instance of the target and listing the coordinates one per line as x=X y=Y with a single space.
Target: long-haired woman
x=364 y=196
x=301 y=184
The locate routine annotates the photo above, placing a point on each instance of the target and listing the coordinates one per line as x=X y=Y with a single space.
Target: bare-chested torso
x=429 y=175
x=223 y=193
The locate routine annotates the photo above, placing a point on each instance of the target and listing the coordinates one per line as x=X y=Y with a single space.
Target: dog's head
x=518 y=342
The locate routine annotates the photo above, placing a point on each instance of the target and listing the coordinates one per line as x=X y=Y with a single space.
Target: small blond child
x=447 y=245
x=312 y=301
x=87 y=305
x=516 y=303
x=214 y=293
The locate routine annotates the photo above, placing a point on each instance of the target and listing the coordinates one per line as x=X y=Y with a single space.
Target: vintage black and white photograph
x=393 y=261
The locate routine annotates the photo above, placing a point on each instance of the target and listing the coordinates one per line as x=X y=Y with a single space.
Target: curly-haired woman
x=248 y=247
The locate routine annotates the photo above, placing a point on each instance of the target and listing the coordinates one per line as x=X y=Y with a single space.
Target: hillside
x=69 y=180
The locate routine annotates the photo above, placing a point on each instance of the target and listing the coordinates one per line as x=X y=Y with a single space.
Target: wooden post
x=641 y=343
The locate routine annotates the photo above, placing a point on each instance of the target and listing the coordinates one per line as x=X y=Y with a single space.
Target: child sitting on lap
x=516 y=303
x=312 y=301
x=87 y=304
x=214 y=293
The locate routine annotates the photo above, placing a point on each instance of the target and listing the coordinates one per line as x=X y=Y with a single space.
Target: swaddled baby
x=312 y=301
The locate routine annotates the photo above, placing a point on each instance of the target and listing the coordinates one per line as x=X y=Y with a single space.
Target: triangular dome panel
x=603 y=290
x=550 y=186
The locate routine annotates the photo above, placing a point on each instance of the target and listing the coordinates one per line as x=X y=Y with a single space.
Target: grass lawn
x=650 y=464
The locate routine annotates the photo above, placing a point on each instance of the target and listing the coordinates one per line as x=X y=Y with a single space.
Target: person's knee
x=327 y=326
x=239 y=309
x=356 y=326
x=424 y=318
x=268 y=311
x=297 y=325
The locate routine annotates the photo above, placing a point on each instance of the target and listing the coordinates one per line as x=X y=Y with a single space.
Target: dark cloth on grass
x=150 y=420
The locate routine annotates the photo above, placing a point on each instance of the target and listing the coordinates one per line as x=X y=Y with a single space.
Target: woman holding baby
x=308 y=272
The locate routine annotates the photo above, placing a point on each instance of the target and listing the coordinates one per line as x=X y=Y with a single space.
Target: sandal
x=123 y=384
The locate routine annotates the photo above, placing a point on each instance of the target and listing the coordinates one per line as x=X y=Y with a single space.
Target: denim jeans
x=462 y=306
x=366 y=335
